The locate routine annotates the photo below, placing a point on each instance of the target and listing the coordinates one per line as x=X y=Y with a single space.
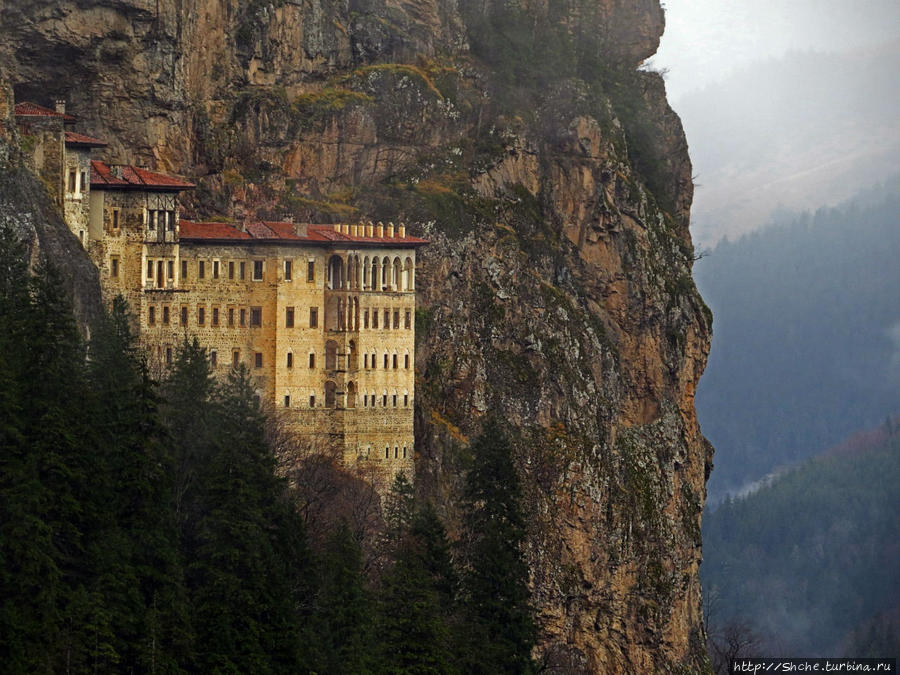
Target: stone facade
x=323 y=316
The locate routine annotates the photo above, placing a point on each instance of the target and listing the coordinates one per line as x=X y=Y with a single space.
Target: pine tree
x=500 y=627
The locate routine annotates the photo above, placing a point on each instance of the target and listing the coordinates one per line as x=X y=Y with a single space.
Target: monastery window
x=406 y=361
x=394 y=400
x=231 y=269
x=351 y=395
x=331 y=355
x=242 y=272
x=170 y=269
x=330 y=394
x=313 y=317
x=290 y=359
x=231 y=316
x=312 y=360
x=395 y=277
x=84 y=181
x=255 y=317
x=365 y=400
x=366 y=319
x=287 y=401
x=151 y=315
x=289 y=317
x=385 y=361
x=312 y=401
x=374 y=363
x=168 y=356
x=215 y=316
x=387 y=451
x=288 y=269
x=395 y=361
x=201 y=269
x=257 y=270
x=257 y=359
x=114 y=266
x=184 y=313
x=374 y=318
x=387 y=319
x=160 y=281
x=405 y=400
x=71 y=180
x=215 y=269
x=165 y=315
x=214 y=358
x=407 y=320
x=184 y=274
x=310 y=271
x=396 y=451
x=396 y=319
x=366 y=361
x=151 y=220
x=149 y=269
x=373 y=400
x=115 y=216
x=243 y=319
x=352 y=356
x=201 y=315
x=235 y=357
x=384 y=400
x=170 y=221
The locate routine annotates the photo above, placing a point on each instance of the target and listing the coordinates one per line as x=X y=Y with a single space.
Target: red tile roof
x=134 y=178
x=29 y=109
x=81 y=140
x=275 y=232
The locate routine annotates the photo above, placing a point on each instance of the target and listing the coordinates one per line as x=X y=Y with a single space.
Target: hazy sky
x=705 y=40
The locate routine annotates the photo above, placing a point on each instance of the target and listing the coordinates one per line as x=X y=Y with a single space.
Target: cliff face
x=554 y=183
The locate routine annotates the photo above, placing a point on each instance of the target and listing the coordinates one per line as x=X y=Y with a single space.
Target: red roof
x=132 y=177
x=87 y=141
x=275 y=232
x=29 y=109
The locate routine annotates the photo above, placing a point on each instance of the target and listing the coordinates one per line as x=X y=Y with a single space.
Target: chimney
x=390 y=230
x=379 y=230
x=288 y=218
x=61 y=106
x=401 y=231
x=370 y=229
x=353 y=230
x=115 y=169
x=300 y=230
x=337 y=228
x=345 y=229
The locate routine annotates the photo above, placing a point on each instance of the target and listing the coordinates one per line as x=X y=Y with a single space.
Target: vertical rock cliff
x=553 y=181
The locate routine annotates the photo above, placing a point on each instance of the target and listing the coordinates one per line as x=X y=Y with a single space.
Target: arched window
x=385 y=272
x=331 y=355
x=351 y=395
x=408 y=275
x=395 y=361
x=351 y=356
x=335 y=272
x=366 y=273
x=375 y=275
x=330 y=390
x=398 y=273
x=387 y=451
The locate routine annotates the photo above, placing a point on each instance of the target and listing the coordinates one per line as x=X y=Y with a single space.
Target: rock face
x=554 y=183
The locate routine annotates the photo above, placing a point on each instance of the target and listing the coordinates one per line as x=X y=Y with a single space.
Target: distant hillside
x=800 y=132
x=806 y=345
x=809 y=563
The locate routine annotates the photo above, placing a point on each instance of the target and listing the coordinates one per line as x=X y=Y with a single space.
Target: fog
x=786 y=105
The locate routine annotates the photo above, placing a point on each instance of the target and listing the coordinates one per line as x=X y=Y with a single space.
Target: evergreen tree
x=500 y=627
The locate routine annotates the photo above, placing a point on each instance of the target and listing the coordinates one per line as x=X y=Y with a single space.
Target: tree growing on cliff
x=500 y=628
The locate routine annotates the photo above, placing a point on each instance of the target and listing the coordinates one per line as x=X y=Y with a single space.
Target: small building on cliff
x=322 y=315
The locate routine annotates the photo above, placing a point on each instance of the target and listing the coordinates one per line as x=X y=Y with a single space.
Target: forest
x=806 y=336
x=152 y=526
x=807 y=565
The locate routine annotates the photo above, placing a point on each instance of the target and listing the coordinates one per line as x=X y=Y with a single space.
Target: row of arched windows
x=396 y=452
x=369 y=398
x=371 y=274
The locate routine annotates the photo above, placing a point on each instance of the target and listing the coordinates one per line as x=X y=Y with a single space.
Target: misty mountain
x=798 y=132
x=807 y=564
x=806 y=336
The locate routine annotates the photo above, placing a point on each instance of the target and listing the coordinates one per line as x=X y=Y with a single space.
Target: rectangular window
x=384 y=405
x=151 y=315
x=311 y=271
x=243 y=271
x=170 y=269
x=149 y=269
x=170 y=221
x=235 y=357
x=287 y=401
x=366 y=319
x=243 y=317
x=290 y=360
x=374 y=362
x=184 y=270
x=257 y=270
x=313 y=317
x=168 y=356
x=387 y=319
x=255 y=317
x=215 y=316
x=257 y=360
x=165 y=315
x=288 y=269
x=231 y=316
x=114 y=267
x=395 y=361
x=396 y=319
x=374 y=318
x=395 y=405
x=201 y=269
x=214 y=358
x=289 y=317
x=366 y=361
x=184 y=311
x=115 y=215
x=231 y=269
x=215 y=269
x=201 y=315
x=405 y=400
x=407 y=321
x=406 y=361
x=151 y=220
x=312 y=360
x=84 y=181
x=385 y=361
x=71 y=180
x=312 y=401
